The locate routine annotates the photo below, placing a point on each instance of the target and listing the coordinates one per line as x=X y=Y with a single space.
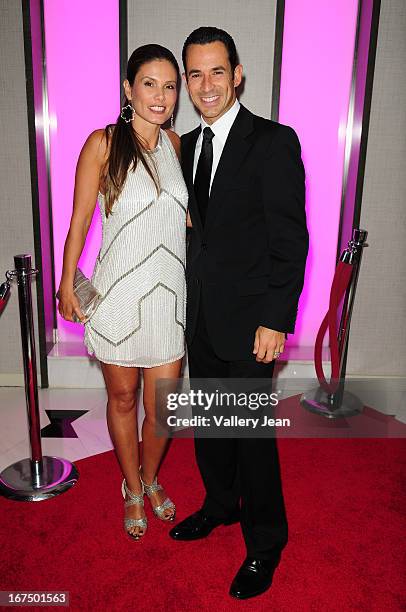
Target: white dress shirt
x=221 y=129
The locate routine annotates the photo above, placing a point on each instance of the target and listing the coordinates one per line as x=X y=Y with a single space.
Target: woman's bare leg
x=121 y=384
x=153 y=447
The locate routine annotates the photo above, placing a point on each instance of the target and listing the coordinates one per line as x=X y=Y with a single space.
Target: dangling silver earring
x=127 y=113
x=172 y=122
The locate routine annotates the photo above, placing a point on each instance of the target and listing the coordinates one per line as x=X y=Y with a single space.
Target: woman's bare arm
x=87 y=181
x=175 y=140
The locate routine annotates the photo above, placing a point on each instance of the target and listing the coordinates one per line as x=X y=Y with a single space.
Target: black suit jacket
x=248 y=261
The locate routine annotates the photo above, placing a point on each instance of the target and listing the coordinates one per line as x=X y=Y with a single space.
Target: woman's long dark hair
x=127 y=148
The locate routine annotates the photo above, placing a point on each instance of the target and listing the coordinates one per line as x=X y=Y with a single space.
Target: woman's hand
x=188 y=220
x=68 y=306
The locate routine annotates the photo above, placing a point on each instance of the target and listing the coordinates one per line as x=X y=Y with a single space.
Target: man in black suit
x=245 y=269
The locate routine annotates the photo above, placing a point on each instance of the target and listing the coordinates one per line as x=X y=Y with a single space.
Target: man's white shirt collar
x=222 y=126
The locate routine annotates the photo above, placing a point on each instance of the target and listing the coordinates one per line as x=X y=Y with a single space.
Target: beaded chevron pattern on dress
x=140 y=271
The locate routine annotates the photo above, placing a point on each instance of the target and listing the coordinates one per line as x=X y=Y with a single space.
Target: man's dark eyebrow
x=195 y=70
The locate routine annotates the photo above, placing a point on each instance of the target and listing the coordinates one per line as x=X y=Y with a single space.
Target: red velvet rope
x=4 y=294
x=3 y=303
x=342 y=278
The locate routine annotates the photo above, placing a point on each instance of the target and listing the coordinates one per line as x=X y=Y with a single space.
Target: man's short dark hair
x=209 y=34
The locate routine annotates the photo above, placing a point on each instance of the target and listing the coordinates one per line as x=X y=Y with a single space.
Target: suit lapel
x=188 y=155
x=234 y=152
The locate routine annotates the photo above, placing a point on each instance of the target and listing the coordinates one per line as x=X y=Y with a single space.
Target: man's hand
x=268 y=344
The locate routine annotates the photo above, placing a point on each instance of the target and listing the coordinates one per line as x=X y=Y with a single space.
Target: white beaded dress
x=140 y=269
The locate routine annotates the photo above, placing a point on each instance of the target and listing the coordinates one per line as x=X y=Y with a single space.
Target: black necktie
x=203 y=173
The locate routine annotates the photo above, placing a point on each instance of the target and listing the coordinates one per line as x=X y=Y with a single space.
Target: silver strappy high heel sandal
x=168 y=504
x=134 y=498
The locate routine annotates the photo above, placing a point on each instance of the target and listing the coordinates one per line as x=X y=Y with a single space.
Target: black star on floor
x=61 y=423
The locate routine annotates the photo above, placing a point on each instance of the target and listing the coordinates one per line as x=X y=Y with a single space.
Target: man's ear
x=184 y=79
x=127 y=90
x=237 y=75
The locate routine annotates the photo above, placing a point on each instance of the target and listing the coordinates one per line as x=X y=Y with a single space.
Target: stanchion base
x=28 y=480
x=320 y=402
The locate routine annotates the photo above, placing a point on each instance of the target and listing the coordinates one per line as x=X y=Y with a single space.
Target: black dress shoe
x=254 y=577
x=199 y=525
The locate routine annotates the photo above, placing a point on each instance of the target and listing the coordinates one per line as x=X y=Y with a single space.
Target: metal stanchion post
x=40 y=477
x=342 y=403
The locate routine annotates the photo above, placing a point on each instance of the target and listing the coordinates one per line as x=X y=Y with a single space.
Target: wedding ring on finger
x=276 y=354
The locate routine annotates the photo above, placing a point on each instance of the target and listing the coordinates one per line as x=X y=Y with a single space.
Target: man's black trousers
x=239 y=472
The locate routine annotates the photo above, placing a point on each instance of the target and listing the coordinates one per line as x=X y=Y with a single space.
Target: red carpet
x=344 y=501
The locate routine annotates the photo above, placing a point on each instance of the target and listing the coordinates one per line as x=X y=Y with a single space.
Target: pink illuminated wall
x=317 y=59
x=82 y=55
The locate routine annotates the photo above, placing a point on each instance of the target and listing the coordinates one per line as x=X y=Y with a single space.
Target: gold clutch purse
x=87 y=295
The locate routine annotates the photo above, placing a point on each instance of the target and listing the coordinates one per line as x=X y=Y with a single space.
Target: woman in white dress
x=132 y=169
